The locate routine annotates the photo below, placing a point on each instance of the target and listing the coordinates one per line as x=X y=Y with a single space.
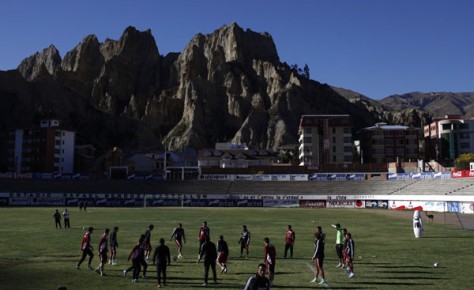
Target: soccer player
x=148 y=242
x=223 y=251
x=244 y=241
x=103 y=248
x=290 y=238
x=339 y=245
x=113 y=246
x=86 y=248
x=318 y=257
x=270 y=258
x=66 y=219
x=319 y=229
x=57 y=219
x=258 y=281
x=349 y=251
x=204 y=232
x=179 y=237
x=161 y=258
x=208 y=251
x=137 y=255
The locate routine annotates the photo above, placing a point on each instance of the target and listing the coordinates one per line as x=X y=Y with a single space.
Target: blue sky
x=375 y=47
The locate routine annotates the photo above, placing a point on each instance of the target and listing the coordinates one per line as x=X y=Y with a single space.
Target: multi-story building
x=325 y=139
x=384 y=143
x=446 y=138
x=46 y=148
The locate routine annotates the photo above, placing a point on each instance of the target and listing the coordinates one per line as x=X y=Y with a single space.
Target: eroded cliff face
x=225 y=86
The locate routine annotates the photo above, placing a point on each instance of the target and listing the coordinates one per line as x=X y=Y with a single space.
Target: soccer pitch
x=36 y=255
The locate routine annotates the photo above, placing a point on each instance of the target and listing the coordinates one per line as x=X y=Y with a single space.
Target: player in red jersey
x=270 y=258
x=204 y=232
x=223 y=250
x=290 y=238
x=103 y=249
x=86 y=248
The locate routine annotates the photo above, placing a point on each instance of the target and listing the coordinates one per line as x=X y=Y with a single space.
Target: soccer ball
x=435 y=265
x=175 y=258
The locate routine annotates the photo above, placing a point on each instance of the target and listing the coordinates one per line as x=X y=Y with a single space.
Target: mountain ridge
x=226 y=86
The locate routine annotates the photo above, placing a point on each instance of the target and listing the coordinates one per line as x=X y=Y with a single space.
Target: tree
x=462 y=162
x=306 y=71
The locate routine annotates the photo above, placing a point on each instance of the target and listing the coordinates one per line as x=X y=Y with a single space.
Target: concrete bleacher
x=461 y=186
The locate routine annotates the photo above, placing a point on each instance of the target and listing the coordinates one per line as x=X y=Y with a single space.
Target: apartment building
x=325 y=139
x=384 y=143
x=45 y=148
x=448 y=137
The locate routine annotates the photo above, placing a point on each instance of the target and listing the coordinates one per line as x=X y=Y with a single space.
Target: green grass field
x=35 y=255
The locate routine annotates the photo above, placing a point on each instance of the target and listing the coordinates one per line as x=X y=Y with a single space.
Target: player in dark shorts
x=204 y=233
x=244 y=241
x=113 y=246
x=318 y=257
x=349 y=251
x=179 y=236
x=223 y=254
x=270 y=258
x=148 y=242
x=103 y=248
x=86 y=249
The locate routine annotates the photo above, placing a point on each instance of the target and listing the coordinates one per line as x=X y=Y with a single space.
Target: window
x=307 y=140
x=334 y=140
x=334 y=149
x=465 y=145
x=334 y=130
x=347 y=148
x=446 y=126
x=307 y=130
x=347 y=140
x=347 y=158
x=347 y=131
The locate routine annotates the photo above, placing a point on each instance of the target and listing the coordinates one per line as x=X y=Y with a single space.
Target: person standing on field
x=137 y=255
x=209 y=252
x=148 y=242
x=223 y=250
x=86 y=248
x=349 y=254
x=270 y=258
x=290 y=238
x=162 y=259
x=57 y=219
x=103 y=249
x=204 y=233
x=66 y=219
x=258 y=281
x=244 y=241
x=179 y=236
x=113 y=246
x=318 y=257
x=339 y=245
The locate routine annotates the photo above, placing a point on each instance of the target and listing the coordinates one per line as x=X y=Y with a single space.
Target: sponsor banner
x=281 y=177
x=216 y=177
x=467 y=208
x=399 y=176
x=249 y=203
x=376 y=203
x=195 y=202
x=133 y=202
x=442 y=175
x=340 y=204
x=313 y=203
x=454 y=206
x=42 y=201
x=221 y=202
x=418 y=205
x=145 y=177
x=318 y=177
x=263 y=177
x=299 y=177
x=462 y=173
x=243 y=177
x=7 y=175
x=164 y=202
x=359 y=204
x=280 y=203
x=356 y=176
x=4 y=201
x=337 y=177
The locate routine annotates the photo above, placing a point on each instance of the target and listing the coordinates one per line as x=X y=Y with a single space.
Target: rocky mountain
x=229 y=85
